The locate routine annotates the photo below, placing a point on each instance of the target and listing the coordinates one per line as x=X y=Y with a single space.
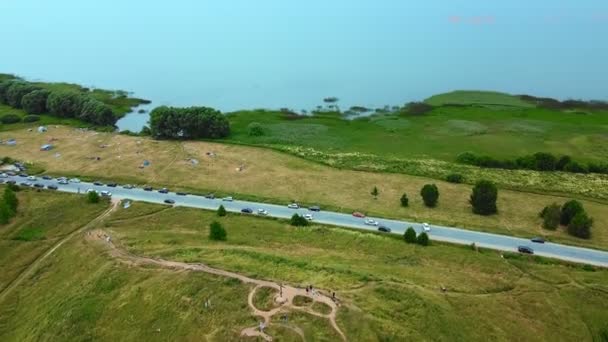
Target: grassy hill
x=483 y=98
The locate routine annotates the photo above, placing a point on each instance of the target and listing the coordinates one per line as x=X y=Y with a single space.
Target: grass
x=264 y=298
x=388 y=289
x=302 y=301
x=278 y=177
x=321 y=308
x=483 y=98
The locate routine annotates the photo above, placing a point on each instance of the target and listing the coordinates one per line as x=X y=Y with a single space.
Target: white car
x=3 y=175
x=371 y=222
x=90 y=190
x=293 y=206
x=227 y=199
x=262 y=212
x=105 y=193
x=308 y=217
x=63 y=181
x=74 y=180
x=32 y=178
x=426 y=227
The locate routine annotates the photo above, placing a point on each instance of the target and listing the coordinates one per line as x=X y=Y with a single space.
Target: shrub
x=467 y=158
x=404 y=200
x=5 y=213
x=417 y=108
x=580 y=225
x=64 y=103
x=10 y=118
x=16 y=91
x=375 y=192
x=255 y=129
x=575 y=167
x=217 y=232
x=551 y=216
x=423 y=239
x=221 y=211
x=35 y=102
x=31 y=118
x=569 y=210
x=454 y=178
x=298 y=221
x=544 y=161
x=410 y=235
x=562 y=162
x=11 y=201
x=430 y=195
x=483 y=199
x=93 y=197
x=188 y=123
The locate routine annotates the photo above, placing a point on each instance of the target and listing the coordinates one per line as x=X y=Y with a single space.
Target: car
x=262 y=212
x=112 y=185
x=24 y=175
x=90 y=190
x=25 y=184
x=358 y=214
x=32 y=178
x=169 y=201
x=63 y=181
x=74 y=180
x=127 y=186
x=538 y=239
x=181 y=193
x=3 y=175
x=314 y=208
x=39 y=185
x=51 y=187
x=426 y=227
x=247 y=211
x=147 y=188
x=293 y=206
x=525 y=250
x=11 y=182
x=228 y=199
x=98 y=183
x=210 y=196
x=164 y=191
x=384 y=229
x=11 y=173
x=308 y=217
x=371 y=222
x=105 y=193
x=47 y=177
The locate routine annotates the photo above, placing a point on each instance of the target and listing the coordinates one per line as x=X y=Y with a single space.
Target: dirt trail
x=284 y=301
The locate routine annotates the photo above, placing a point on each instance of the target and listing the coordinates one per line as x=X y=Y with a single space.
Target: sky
x=235 y=54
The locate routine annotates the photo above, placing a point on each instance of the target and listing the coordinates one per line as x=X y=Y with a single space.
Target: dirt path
x=284 y=301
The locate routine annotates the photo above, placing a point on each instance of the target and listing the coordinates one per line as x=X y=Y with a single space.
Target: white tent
x=42 y=129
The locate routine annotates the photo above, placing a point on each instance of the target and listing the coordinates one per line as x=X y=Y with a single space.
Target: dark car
x=169 y=201
x=314 y=208
x=384 y=229
x=52 y=187
x=38 y=185
x=112 y=185
x=210 y=196
x=247 y=211
x=98 y=183
x=525 y=250
x=147 y=188
x=128 y=186
x=11 y=173
x=23 y=175
x=538 y=240
x=25 y=184
x=47 y=177
x=163 y=190
x=181 y=193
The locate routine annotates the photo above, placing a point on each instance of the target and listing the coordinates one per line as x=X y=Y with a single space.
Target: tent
x=42 y=129
x=46 y=147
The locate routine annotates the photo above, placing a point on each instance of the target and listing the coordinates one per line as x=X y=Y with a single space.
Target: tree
x=544 y=161
x=221 y=211
x=255 y=129
x=580 y=225
x=298 y=221
x=430 y=195
x=375 y=192
x=410 y=235
x=35 y=101
x=5 y=213
x=575 y=167
x=483 y=199
x=93 y=197
x=569 y=210
x=63 y=103
x=217 y=232
x=423 y=239
x=417 y=108
x=188 y=123
x=562 y=162
x=10 y=118
x=11 y=201
x=4 y=85
x=96 y=112
x=454 y=178
x=551 y=216
x=16 y=91
x=404 y=200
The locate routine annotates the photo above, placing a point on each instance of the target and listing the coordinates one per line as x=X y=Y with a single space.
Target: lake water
x=284 y=53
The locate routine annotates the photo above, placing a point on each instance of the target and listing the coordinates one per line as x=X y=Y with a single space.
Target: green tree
x=423 y=239
x=544 y=161
x=11 y=200
x=188 y=123
x=430 y=195
x=221 y=211
x=35 y=101
x=483 y=199
x=580 y=225
x=217 y=232
x=16 y=91
x=93 y=197
x=64 y=104
x=551 y=216
x=454 y=178
x=562 y=162
x=404 y=200
x=255 y=129
x=410 y=235
x=375 y=192
x=298 y=221
x=4 y=85
x=5 y=213
x=569 y=210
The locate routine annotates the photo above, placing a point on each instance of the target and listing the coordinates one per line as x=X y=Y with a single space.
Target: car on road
x=538 y=239
x=147 y=188
x=262 y=212
x=384 y=229
x=32 y=178
x=74 y=180
x=25 y=184
x=98 y=183
x=228 y=199
x=358 y=214
x=169 y=201
x=525 y=250
x=24 y=175
x=112 y=185
x=39 y=185
x=164 y=191
x=127 y=186
x=247 y=211
x=105 y=193
x=51 y=187
x=314 y=208
x=210 y=196
x=3 y=175
x=308 y=217
x=426 y=228
x=63 y=181
x=181 y=193
x=47 y=177
x=371 y=222
x=11 y=173
x=11 y=182
x=293 y=206
x=90 y=190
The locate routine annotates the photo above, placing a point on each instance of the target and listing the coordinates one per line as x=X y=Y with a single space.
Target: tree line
x=188 y=123
x=34 y=99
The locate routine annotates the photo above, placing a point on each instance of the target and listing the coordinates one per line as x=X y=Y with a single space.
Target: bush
x=454 y=178
x=469 y=158
x=580 y=225
x=551 y=216
x=10 y=118
x=423 y=239
x=93 y=197
x=5 y=213
x=404 y=200
x=64 y=104
x=255 y=129
x=217 y=232
x=569 y=210
x=375 y=192
x=417 y=108
x=575 y=167
x=430 y=195
x=35 y=102
x=31 y=118
x=188 y=123
x=562 y=162
x=544 y=161
x=483 y=199
x=16 y=91
x=410 y=235
x=298 y=221
x=11 y=201
x=221 y=211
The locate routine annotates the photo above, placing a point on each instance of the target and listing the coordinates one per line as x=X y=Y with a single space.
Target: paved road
x=439 y=233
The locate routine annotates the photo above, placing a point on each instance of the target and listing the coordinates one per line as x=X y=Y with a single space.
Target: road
x=439 y=233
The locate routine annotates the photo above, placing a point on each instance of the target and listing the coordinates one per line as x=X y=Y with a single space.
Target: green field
x=482 y=98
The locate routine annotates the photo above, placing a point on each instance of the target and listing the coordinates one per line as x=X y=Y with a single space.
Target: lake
x=243 y=54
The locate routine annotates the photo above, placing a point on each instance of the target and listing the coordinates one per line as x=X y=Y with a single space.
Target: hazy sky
x=272 y=53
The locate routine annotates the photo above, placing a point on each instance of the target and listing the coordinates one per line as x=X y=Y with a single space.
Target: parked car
x=358 y=214
x=210 y=196
x=74 y=180
x=63 y=181
x=247 y=211
x=51 y=187
x=98 y=183
x=384 y=229
x=169 y=201
x=24 y=175
x=181 y=193
x=426 y=227
x=112 y=185
x=25 y=184
x=105 y=193
x=127 y=186
x=293 y=206
x=538 y=239
x=11 y=182
x=314 y=208
x=164 y=191
x=90 y=190
x=39 y=185
x=47 y=177
x=147 y=188
x=11 y=173
x=525 y=250
x=308 y=217
x=228 y=199
x=32 y=178
x=262 y=212
x=371 y=222
x=3 y=175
